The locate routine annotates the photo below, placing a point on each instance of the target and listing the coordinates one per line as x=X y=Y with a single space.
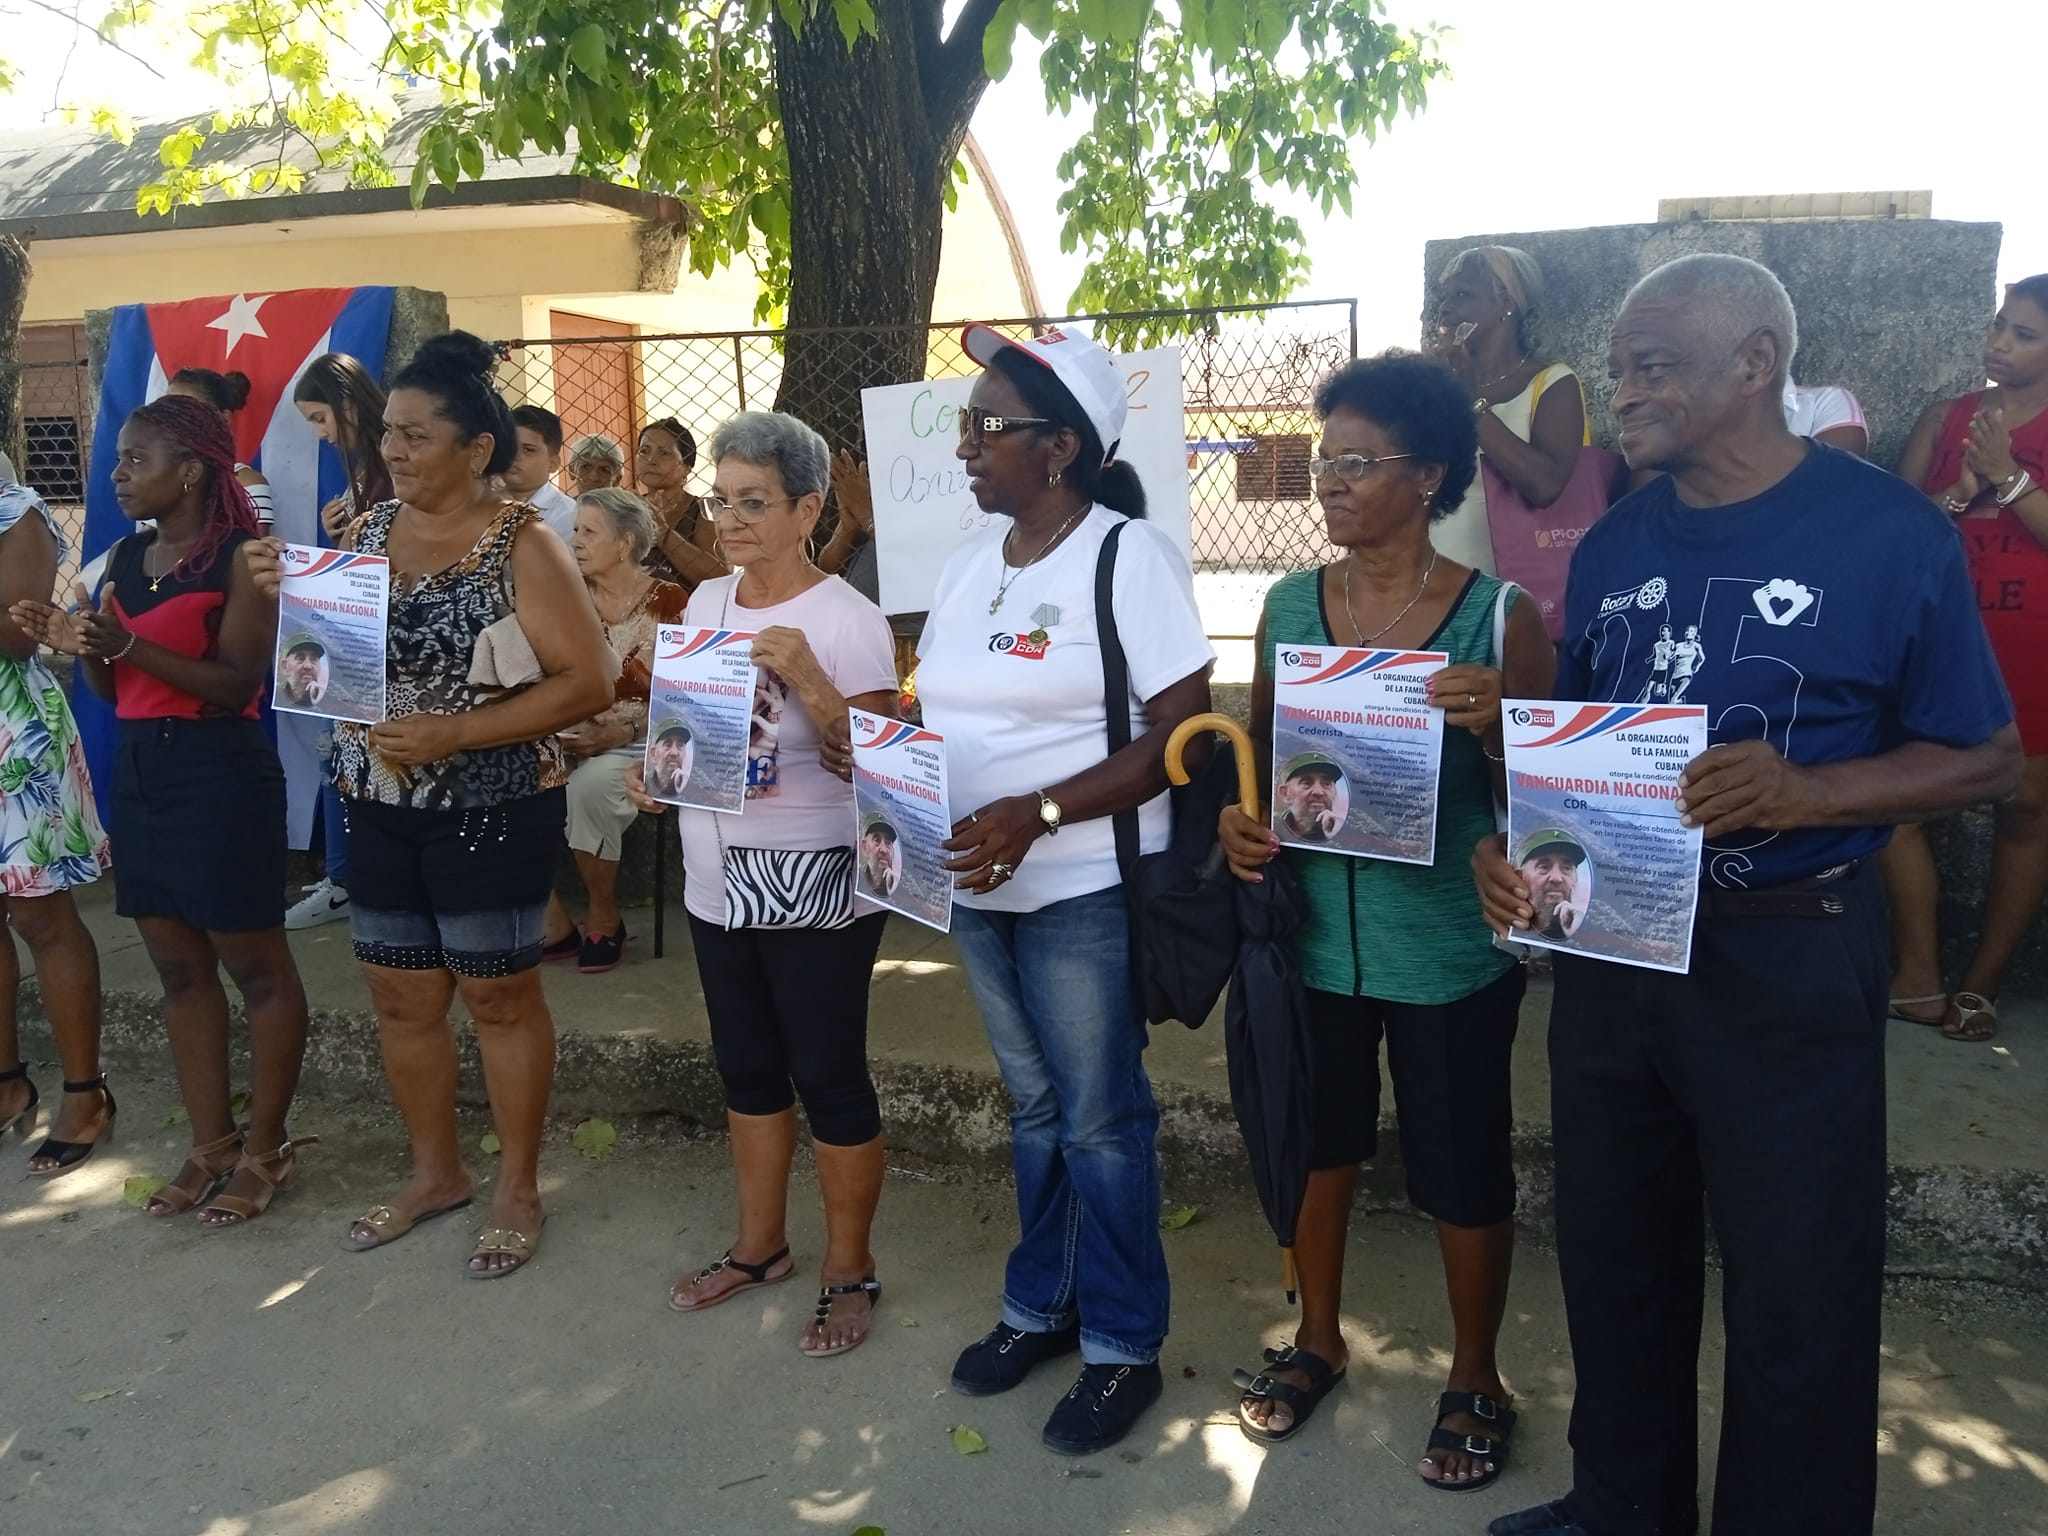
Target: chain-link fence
x=1248 y=376
x=57 y=411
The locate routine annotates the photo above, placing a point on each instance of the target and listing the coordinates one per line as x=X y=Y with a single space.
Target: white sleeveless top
x=1465 y=535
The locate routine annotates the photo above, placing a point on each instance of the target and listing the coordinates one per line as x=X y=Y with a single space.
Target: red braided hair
x=202 y=431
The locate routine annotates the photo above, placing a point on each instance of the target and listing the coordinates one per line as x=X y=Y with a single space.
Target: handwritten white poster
x=923 y=508
x=1593 y=827
x=330 y=634
x=700 y=712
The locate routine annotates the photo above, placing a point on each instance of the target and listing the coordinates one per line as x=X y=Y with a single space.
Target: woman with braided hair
x=178 y=640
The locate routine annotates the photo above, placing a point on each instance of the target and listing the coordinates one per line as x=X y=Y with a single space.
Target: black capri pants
x=789 y=1021
x=1450 y=1066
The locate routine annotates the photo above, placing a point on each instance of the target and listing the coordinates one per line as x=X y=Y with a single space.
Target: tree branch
x=72 y=17
x=954 y=74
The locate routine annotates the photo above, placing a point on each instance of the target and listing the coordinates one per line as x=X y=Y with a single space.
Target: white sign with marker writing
x=923 y=509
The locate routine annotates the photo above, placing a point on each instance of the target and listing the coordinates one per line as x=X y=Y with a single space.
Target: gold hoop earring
x=1055 y=477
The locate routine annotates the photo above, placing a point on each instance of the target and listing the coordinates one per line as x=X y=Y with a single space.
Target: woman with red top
x=1984 y=458
x=179 y=640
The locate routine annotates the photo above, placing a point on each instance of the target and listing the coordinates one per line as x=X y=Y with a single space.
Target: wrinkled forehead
x=1649 y=325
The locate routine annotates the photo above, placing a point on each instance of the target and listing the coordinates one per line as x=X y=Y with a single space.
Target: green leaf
x=588 y=47
x=999 y=42
x=100 y=1396
x=138 y=1187
x=238 y=1104
x=871 y=1530
x=595 y=1138
x=470 y=154
x=1173 y=1221
x=968 y=1442
x=489 y=1145
x=173 y=1116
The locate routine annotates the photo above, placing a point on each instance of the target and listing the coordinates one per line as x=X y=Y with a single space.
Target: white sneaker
x=322 y=903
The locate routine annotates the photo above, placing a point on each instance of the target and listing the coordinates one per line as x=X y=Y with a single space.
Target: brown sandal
x=271 y=1170
x=1975 y=1019
x=211 y=1164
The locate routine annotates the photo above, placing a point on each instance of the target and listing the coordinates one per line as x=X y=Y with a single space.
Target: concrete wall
x=1895 y=310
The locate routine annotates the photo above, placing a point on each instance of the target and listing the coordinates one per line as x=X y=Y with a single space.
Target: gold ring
x=1471 y=699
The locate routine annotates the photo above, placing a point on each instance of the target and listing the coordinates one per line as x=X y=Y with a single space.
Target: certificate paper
x=900 y=815
x=1593 y=827
x=330 y=634
x=1356 y=751
x=700 y=708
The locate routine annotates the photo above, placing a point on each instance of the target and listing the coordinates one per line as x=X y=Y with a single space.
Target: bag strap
x=1116 y=689
x=1507 y=592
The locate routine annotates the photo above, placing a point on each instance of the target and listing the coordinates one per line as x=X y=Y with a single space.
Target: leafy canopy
x=1191 y=117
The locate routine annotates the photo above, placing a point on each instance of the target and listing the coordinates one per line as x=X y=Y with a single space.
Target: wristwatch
x=1049 y=813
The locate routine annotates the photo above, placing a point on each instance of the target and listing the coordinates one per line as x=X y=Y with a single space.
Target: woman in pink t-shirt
x=784 y=952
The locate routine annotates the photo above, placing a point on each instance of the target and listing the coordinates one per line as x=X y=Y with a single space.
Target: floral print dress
x=50 y=833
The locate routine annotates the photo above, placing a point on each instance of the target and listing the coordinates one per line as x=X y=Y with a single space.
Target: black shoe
x=601 y=952
x=1543 y=1520
x=1006 y=1356
x=1101 y=1407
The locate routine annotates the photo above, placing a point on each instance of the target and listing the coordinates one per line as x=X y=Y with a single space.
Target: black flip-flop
x=1493 y=1448
x=1300 y=1402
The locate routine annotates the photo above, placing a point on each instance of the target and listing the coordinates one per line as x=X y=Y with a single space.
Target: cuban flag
x=271 y=337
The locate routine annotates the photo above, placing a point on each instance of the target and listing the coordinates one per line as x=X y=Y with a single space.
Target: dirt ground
x=164 y=1381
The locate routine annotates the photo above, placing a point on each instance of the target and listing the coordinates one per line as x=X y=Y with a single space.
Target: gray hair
x=598 y=446
x=630 y=518
x=7 y=475
x=1522 y=273
x=777 y=438
x=1732 y=297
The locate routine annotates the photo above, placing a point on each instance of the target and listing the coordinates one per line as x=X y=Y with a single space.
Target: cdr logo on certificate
x=1357 y=750
x=330 y=634
x=700 y=709
x=901 y=819
x=1593 y=827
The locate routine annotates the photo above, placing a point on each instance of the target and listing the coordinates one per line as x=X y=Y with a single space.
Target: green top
x=1403 y=933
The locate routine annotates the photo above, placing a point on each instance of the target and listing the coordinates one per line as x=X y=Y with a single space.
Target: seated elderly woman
x=614 y=531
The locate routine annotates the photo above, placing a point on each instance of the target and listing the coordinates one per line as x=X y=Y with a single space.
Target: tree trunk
x=872 y=141
x=14 y=275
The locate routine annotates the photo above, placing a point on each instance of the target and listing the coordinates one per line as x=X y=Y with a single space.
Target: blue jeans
x=334 y=833
x=1054 y=987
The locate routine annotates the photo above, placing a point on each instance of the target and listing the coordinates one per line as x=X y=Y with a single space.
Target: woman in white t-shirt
x=784 y=952
x=1010 y=671
x=1532 y=413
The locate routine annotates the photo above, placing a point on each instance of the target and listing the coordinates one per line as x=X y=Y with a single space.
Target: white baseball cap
x=1089 y=372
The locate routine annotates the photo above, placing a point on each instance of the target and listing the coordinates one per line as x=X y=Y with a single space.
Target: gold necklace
x=158 y=580
x=1352 y=613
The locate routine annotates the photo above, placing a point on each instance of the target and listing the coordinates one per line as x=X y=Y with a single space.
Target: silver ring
x=1001 y=872
x=1471 y=699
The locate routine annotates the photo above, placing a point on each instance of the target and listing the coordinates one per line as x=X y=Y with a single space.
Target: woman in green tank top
x=1401 y=950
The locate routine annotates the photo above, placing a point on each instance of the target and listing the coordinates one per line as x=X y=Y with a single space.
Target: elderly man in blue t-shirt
x=1848 y=688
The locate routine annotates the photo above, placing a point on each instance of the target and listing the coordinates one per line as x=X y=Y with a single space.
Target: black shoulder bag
x=1183 y=901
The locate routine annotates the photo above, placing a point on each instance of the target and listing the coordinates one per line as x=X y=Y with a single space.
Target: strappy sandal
x=387 y=1224
x=1976 y=1019
x=827 y=1294
x=1493 y=1447
x=23 y=1120
x=272 y=1172
x=1895 y=1007
x=1300 y=1402
x=68 y=1155
x=757 y=1275
x=205 y=1170
x=501 y=1242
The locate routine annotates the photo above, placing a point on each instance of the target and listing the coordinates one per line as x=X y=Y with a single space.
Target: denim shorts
x=458 y=890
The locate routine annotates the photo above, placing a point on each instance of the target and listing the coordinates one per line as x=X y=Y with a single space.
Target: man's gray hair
x=598 y=446
x=777 y=438
x=1735 y=296
x=630 y=518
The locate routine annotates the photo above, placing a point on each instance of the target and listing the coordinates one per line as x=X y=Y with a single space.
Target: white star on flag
x=240 y=320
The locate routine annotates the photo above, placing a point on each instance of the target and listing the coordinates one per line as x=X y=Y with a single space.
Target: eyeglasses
x=975 y=424
x=1350 y=466
x=747 y=510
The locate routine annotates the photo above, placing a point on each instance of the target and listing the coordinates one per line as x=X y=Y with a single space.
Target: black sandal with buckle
x=1493 y=1447
x=1300 y=1402
x=67 y=1155
x=827 y=1294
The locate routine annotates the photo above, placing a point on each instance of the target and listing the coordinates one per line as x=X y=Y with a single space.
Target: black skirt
x=198 y=824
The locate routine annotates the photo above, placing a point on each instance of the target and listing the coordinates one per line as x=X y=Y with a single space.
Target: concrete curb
x=1946 y=1223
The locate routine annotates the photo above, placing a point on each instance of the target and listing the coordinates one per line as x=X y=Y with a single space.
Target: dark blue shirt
x=1830 y=616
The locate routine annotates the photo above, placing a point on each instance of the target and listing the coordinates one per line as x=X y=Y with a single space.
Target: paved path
x=162 y=1381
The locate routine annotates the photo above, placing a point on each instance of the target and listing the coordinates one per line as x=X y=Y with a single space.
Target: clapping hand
x=850 y=488
x=1988 y=454
x=87 y=630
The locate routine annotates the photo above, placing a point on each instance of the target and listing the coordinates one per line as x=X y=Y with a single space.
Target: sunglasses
x=976 y=424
